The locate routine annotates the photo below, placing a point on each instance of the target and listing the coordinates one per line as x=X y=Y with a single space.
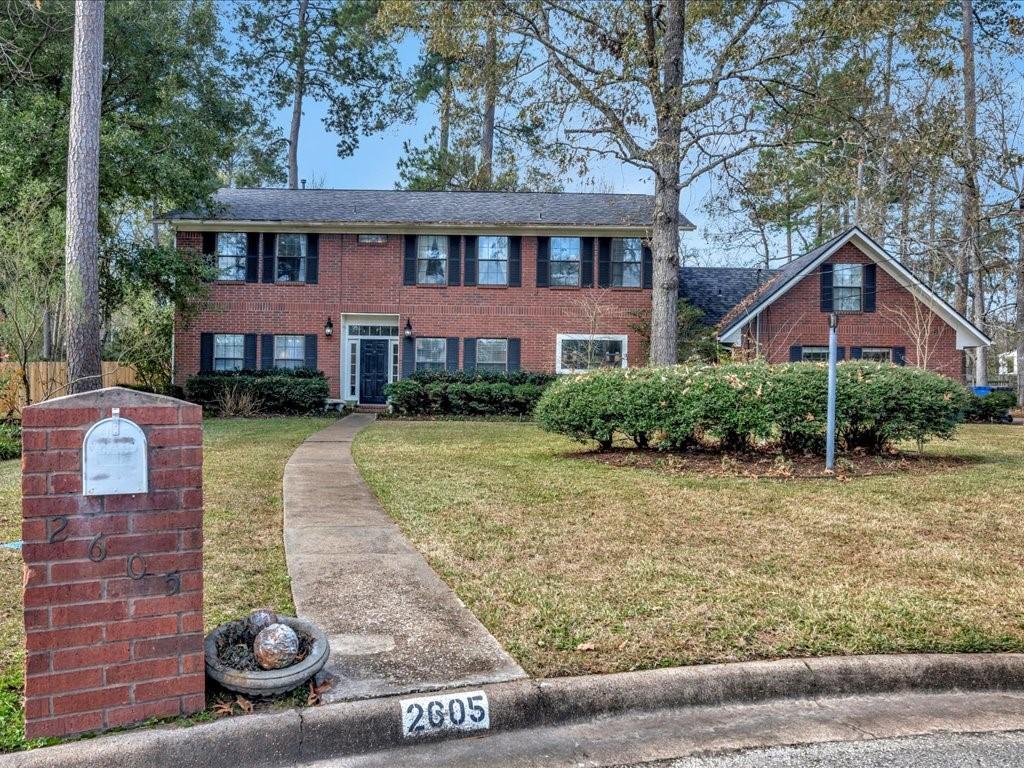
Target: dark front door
x=373 y=371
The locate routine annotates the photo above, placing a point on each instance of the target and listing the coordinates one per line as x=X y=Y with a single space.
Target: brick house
x=885 y=312
x=371 y=285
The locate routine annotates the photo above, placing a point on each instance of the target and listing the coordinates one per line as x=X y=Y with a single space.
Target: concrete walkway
x=394 y=626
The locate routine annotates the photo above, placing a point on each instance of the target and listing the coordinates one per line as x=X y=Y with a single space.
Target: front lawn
x=579 y=567
x=244 y=563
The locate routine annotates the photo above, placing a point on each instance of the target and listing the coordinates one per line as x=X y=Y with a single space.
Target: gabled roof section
x=404 y=207
x=716 y=290
x=731 y=326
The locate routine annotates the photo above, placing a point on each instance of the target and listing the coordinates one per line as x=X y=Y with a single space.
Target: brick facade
x=113 y=585
x=796 y=319
x=359 y=278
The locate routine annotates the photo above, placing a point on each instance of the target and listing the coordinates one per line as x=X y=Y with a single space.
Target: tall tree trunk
x=444 y=123
x=81 y=272
x=665 y=229
x=47 y=350
x=880 y=217
x=298 y=95
x=490 y=99
x=1020 y=303
x=970 y=253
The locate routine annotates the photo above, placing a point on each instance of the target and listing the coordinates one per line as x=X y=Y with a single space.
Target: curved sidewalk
x=394 y=626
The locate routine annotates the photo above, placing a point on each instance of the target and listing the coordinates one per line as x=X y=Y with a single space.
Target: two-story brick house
x=371 y=285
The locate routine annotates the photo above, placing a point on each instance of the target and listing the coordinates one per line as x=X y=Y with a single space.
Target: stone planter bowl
x=269 y=682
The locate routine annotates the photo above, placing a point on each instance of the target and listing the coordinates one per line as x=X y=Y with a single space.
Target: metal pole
x=830 y=435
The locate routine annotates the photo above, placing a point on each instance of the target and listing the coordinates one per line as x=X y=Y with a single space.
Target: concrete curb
x=351 y=728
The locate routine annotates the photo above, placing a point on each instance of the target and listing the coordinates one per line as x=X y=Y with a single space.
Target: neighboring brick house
x=885 y=313
x=371 y=285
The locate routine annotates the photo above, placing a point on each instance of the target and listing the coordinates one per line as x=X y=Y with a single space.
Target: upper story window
x=627 y=256
x=492 y=260
x=290 y=264
x=431 y=260
x=576 y=353
x=847 y=287
x=565 y=261
x=228 y=351
x=231 y=252
x=492 y=355
x=431 y=354
x=289 y=351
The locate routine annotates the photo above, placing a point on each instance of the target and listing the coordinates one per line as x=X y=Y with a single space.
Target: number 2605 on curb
x=453 y=712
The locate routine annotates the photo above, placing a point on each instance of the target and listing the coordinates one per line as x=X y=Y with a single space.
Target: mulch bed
x=771 y=465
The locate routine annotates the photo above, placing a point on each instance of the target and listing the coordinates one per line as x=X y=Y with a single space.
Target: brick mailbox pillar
x=113 y=579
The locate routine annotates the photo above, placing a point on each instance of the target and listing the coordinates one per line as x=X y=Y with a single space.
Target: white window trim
x=415 y=350
x=492 y=338
x=217 y=255
x=589 y=337
x=303 y=259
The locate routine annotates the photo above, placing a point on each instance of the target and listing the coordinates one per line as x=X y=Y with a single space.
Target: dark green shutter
x=870 y=278
x=409 y=263
x=855 y=353
x=587 y=262
x=205 y=352
x=452 y=352
x=209 y=243
x=840 y=353
x=408 y=356
x=826 y=287
x=899 y=355
x=514 y=347
x=267 y=351
x=543 y=259
x=310 y=350
x=469 y=354
x=647 y=268
x=252 y=257
x=312 y=258
x=249 y=363
x=269 y=241
x=515 y=262
x=469 y=273
x=604 y=262
x=796 y=354
x=454 y=260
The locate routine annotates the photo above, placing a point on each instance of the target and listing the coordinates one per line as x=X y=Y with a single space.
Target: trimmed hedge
x=734 y=406
x=10 y=441
x=992 y=407
x=464 y=393
x=298 y=391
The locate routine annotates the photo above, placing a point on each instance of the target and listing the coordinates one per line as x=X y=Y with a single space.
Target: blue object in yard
x=11 y=545
x=982 y=391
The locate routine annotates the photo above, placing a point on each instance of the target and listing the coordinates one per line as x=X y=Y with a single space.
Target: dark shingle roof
x=716 y=290
x=378 y=206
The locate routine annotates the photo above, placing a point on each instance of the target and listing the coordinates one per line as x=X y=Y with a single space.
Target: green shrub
x=732 y=406
x=265 y=391
x=991 y=407
x=10 y=441
x=464 y=393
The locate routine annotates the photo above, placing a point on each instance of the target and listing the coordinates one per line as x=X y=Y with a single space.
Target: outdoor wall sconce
x=328 y=327
x=408 y=328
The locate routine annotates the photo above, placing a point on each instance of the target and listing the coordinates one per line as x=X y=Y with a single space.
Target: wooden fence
x=47 y=380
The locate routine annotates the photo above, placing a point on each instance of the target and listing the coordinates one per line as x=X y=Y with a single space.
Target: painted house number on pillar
x=469 y=711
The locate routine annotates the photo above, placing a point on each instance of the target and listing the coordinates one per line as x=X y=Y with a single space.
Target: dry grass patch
x=578 y=567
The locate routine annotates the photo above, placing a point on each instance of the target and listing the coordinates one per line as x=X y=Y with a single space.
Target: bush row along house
x=369 y=286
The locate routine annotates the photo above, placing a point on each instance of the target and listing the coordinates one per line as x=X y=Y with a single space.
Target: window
x=373 y=239
x=492 y=355
x=814 y=354
x=228 y=351
x=627 y=255
x=847 y=282
x=291 y=259
x=289 y=351
x=876 y=355
x=231 y=252
x=394 y=361
x=373 y=330
x=431 y=260
x=430 y=354
x=583 y=352
x=492 y=260
x=565 y=261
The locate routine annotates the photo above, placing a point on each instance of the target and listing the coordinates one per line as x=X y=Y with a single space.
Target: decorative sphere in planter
x=276 y=646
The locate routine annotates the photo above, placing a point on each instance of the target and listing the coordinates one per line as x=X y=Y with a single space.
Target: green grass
x=244 y=563
x=580 y=567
